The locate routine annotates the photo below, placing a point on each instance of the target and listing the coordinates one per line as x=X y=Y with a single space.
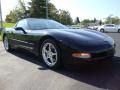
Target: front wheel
x=102 y=30
x=50 y=53
x=6 y=44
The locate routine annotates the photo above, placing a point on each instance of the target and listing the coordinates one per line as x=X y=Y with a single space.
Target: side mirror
x=20 y=29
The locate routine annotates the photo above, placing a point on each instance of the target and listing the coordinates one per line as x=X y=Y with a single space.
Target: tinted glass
x=110 y=25
x=45 y=24
x=23 y=24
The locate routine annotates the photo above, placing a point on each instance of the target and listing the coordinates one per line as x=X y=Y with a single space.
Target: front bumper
x=97 y=56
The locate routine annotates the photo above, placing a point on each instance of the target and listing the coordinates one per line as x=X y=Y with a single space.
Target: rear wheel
x=6 y=44
x=118 y=30
x=50 y=53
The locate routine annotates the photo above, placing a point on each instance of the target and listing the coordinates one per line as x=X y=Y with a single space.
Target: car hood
x=90 y=36
x=87 y=40
x=82 y=39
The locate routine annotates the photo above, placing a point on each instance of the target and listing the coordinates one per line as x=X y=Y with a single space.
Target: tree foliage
x=37 y=9
x=14 y=16
x=22 y=6
x=112 y=20
x=52 y=12
x=64 y=17
x=86 y=22
x=17 y=13
x=94 y=20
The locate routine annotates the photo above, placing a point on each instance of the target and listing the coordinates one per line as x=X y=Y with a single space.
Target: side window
x=110 y=25
x=23 y=24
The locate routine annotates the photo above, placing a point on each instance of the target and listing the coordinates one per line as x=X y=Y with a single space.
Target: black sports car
x=56 y=43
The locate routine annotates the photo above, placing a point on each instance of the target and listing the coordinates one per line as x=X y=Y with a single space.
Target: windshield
x=45 y=24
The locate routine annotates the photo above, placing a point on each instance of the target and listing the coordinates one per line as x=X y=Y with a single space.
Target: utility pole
x=1 y=24
x=46 y=9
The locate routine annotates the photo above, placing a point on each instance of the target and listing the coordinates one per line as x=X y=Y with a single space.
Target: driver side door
x=110 y=28
x=21 y=38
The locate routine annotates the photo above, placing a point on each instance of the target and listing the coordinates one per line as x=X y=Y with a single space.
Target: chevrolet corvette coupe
x=56 y=44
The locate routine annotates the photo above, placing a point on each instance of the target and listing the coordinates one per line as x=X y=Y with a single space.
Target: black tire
x=6 y=42
x=118 y=30
x=102 y=30
x=58 y=63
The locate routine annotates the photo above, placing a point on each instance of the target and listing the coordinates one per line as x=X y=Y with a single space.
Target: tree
x=52 y=12
x=65 y=17
x=26 y=13
x=22 y=5
x=17 y=13
x=37 y=8
x=85 y=22
x=8 y=19
x=94 y=20
x=14 y=15
x=115 y=20
x=108 y=20
x=77 y=21
x=112 y=20
x=100 y=23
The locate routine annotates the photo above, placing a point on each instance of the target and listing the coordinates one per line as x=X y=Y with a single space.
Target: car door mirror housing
x=20 y=29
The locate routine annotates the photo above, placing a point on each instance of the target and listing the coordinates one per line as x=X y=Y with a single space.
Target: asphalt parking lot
x=21 y=70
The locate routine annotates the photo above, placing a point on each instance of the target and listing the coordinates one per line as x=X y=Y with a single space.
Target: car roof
x=109 y=24
x=29 y=19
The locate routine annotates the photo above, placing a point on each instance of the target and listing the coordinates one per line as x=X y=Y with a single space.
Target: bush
x=8 y=25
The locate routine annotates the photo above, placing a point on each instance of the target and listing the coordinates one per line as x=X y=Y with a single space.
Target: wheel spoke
x=51 y=59
x=49 y=47
x=54 y=54
x=45 y=50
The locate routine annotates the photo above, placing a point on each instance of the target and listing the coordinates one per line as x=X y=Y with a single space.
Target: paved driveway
x=21 y=70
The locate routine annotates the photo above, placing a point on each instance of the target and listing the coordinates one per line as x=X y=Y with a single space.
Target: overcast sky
x=82 y=8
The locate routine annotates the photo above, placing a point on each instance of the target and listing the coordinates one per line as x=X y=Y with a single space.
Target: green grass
x=8 y=25
x=0 y=38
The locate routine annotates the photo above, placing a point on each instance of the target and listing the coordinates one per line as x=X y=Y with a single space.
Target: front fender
x=67 y=41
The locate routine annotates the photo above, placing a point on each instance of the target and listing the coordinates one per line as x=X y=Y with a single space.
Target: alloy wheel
x=49 y=54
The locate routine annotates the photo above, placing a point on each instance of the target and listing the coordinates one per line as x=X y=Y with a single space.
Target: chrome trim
x=26 y=47
x=22 y=41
